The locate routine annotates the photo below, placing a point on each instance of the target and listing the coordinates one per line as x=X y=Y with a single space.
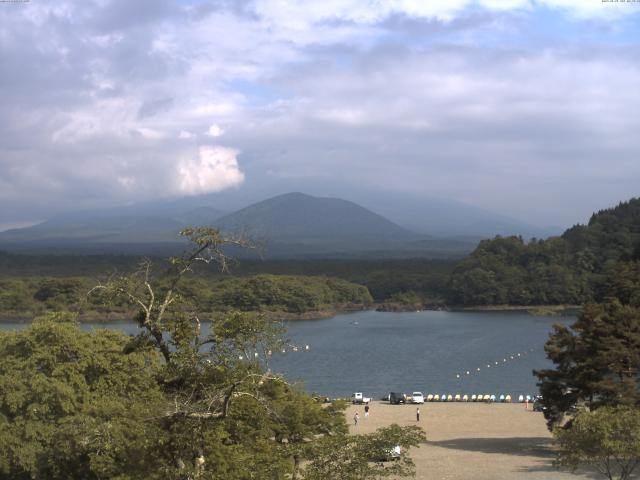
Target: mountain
x=290 y=225
x=124 y=230
x=300 y=218
x=296 y=224
x=415 y=211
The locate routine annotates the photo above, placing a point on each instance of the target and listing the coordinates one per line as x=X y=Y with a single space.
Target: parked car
x=358 y=398
x=388 y=454
x=396 y=398
x=537 y=404
x=417 y=397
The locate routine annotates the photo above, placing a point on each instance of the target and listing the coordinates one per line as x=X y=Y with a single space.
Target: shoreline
x=323 y=314
x=116 y=317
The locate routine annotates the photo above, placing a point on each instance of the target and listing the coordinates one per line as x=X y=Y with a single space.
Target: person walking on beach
x=366 y=411
x=526 y=403
x=356 y=417
x=418 y=414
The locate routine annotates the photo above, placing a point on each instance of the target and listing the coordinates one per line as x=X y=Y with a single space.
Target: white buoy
x=478 y=368
x=457 y=375
x=284 y=351
x=488 y=366
x=496 y=363
x=306 y=347
x=467 y=372
x=518 y=354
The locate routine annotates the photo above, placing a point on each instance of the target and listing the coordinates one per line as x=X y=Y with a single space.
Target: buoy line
x=505 y=359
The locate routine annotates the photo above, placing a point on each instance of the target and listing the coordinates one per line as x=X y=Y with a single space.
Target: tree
x=361 y=457
x=72 y=405
x=226 y=414
x=607 y=439
x=597 y=361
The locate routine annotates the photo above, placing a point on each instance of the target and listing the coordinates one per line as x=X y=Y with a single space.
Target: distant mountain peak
x=300 y=218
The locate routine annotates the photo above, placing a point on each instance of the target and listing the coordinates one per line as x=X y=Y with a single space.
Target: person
x=418 y=414
x=356 y=417
x=526 y=403
x=366 y=411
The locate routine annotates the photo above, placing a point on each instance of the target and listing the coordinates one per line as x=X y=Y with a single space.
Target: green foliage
x=510 y=271
x=404 y=301
x=285 y=293
x=597 y=361
x=570 y=269
x=72 y=405
x=362 y=457
x=607 y=440
x=275 y=293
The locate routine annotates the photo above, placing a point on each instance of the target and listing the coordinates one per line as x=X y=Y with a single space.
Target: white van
x=417 y=397
x=358 y=398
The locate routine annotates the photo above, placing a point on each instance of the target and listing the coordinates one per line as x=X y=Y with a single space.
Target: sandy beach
x=472 y=440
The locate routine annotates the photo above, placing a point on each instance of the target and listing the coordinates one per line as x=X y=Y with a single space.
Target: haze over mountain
x=136 y=224
x=293 y=224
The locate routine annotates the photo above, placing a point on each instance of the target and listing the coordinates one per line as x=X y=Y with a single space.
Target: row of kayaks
x=477 y=398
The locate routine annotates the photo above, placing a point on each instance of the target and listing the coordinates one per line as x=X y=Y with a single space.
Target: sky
x=529 y=108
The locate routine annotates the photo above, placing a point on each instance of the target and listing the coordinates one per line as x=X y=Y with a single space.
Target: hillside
x=574 y=268
x=133 y=225
x=303 y=219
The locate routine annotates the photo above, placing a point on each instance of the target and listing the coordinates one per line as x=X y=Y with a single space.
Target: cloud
x=215 y=169
x=487 y=101
x=215 y=131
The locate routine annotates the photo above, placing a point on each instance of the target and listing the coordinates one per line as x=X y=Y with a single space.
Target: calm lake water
x=379 y=352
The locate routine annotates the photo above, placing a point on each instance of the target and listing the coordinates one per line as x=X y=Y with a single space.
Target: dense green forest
x=571 y=269
x=27 y=296
x=42 y=283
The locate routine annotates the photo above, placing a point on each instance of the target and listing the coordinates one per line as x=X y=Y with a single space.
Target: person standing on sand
x=526 y=403
x=418 y=414
x=356 y=417
x=366 y=411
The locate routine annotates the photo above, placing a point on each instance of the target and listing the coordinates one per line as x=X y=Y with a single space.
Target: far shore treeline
x=584 y=264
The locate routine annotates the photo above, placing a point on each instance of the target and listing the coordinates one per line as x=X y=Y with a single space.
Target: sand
x=475 y=441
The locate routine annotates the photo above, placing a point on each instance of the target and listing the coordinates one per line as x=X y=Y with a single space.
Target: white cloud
x=126 y=182
x=149 y=133
x=309 y=87
x=300 y=15
x=215 y=131
x=215 y=169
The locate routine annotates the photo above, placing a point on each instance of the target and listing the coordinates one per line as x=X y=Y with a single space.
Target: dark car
x=537 y=404
x=396 y=398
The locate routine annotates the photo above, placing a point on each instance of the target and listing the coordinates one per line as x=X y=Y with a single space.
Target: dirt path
x=474 y=441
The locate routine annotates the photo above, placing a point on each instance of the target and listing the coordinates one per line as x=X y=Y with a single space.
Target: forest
x=571 y=269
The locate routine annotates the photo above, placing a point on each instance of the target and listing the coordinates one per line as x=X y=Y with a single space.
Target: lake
x=429 y=351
